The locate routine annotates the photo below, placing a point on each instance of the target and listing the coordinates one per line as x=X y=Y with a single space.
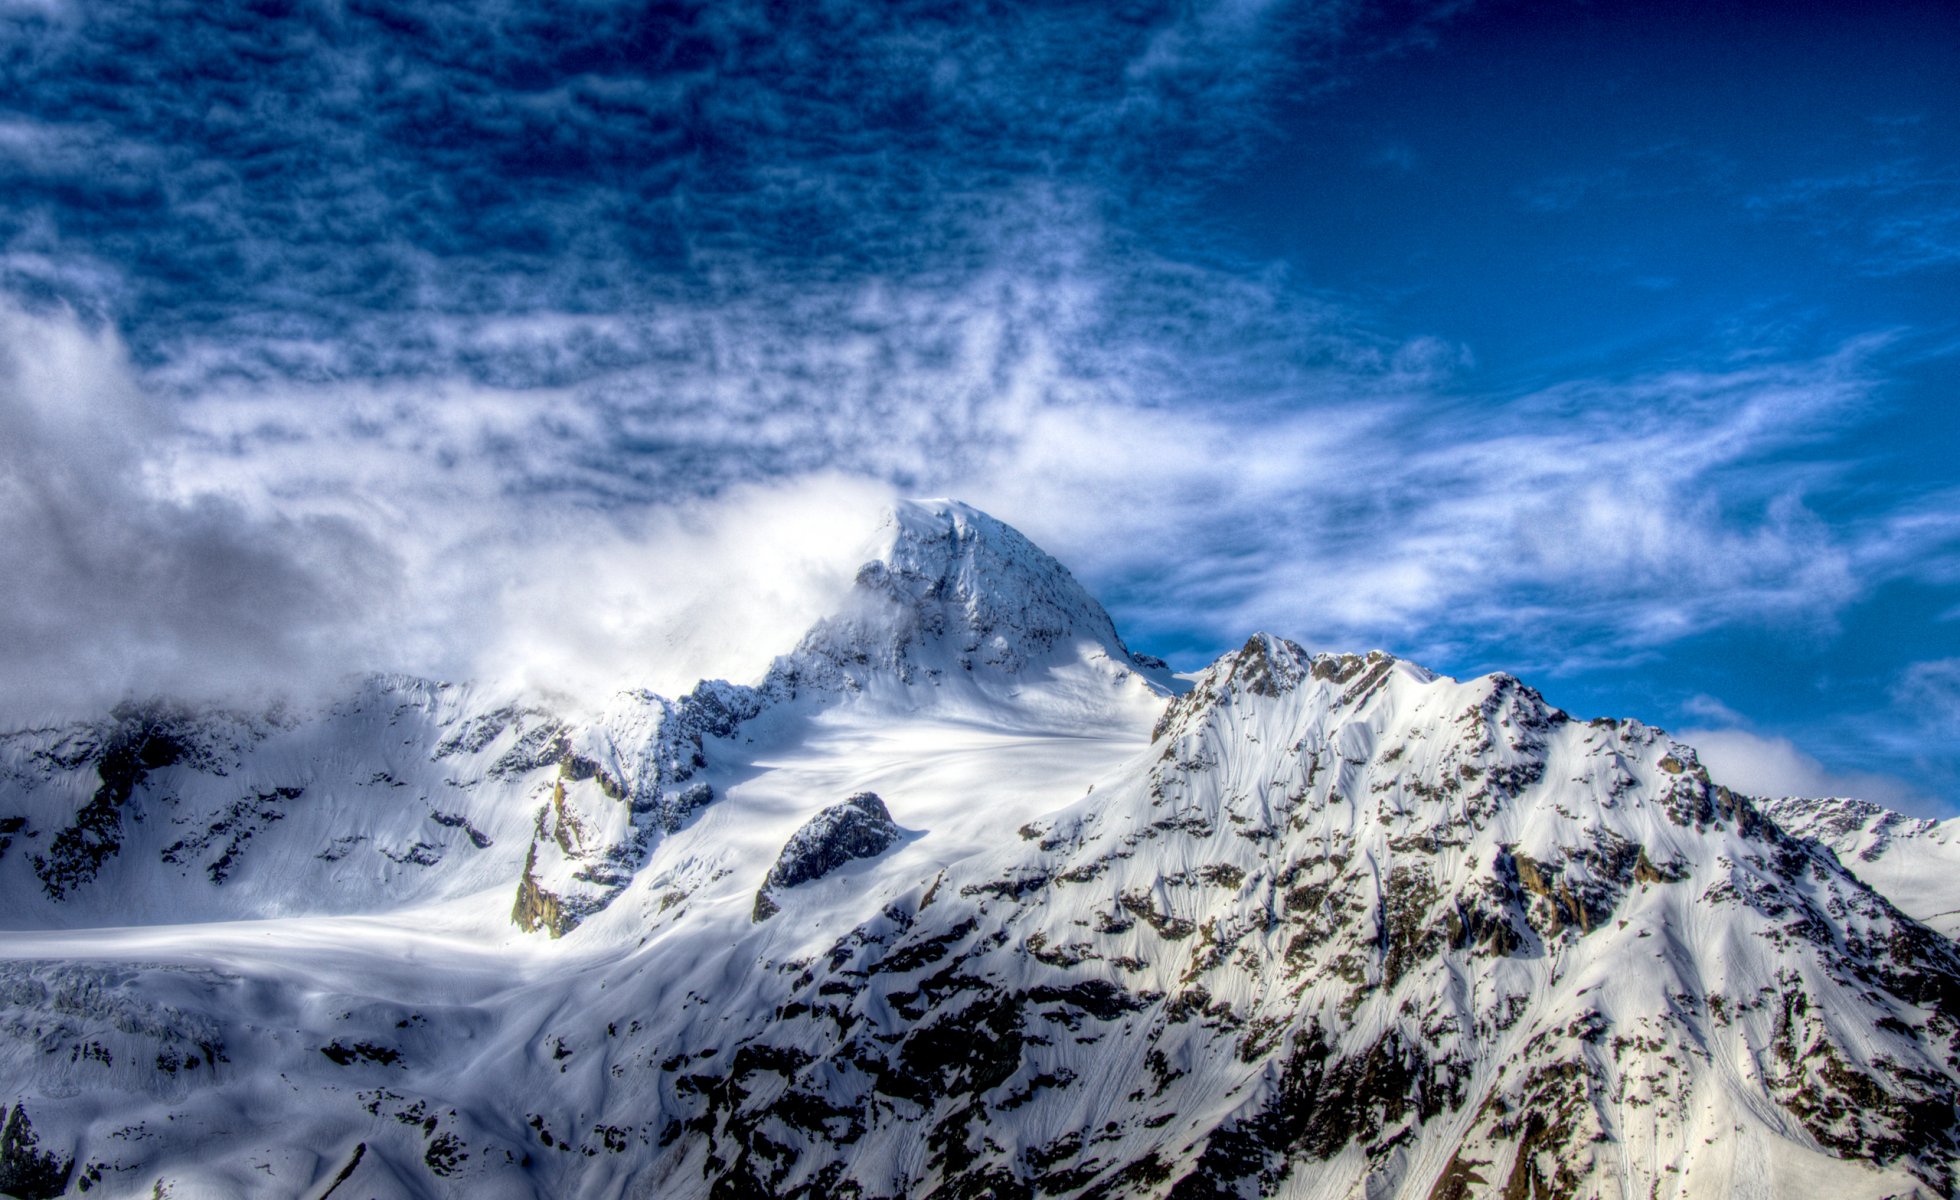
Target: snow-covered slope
x=1913 y=860
x=404 y=791
x=1319 y=926
x=959 y=621
x=1348 y=928
x=409 y=791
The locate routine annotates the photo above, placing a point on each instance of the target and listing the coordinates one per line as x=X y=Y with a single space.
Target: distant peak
x=952 y=590
x=1268 y=665
x=1268 y=668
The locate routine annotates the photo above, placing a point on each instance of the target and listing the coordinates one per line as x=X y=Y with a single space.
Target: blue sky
x=1613 y=345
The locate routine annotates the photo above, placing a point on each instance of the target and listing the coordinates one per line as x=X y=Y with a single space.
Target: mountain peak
x=953 y=592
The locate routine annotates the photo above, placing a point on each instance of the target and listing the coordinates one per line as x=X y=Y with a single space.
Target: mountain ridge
x=1316 y=925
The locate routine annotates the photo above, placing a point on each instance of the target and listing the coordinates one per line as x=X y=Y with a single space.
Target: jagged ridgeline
x=962 y=898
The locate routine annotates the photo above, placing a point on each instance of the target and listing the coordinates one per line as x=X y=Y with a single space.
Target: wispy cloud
x=1930 y=692
x=344 y=191
x=1589 y=521
x=1894 y=217
x=1660 y=172
x=1321 y=483
x=135 y=567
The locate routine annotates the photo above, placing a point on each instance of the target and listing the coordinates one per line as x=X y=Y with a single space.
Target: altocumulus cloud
x=276 y=187
x=1596 y=519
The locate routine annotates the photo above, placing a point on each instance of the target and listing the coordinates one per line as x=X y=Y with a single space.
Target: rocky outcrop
x=26 y=1170
x=618 y=790
x=142 y=739
x=953 y=594
x=858 y=828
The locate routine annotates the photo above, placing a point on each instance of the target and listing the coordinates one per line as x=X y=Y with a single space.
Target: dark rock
x=345 y=1055
x=145 y=738
x=26 y=1170
x=858 y=828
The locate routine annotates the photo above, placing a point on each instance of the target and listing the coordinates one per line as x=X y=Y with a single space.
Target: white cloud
x=272 y=550
x=1776 y=766
x=698 y=591
x=1352 y=502
x=110 y=582
x=1598 y=518
x=1710 y=708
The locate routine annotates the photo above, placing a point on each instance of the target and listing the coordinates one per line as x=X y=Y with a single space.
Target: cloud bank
x=112 y=583
x=1776 y=766
x=134 y=568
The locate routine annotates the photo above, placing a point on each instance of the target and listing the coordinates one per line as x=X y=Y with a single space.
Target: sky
x=578 y=344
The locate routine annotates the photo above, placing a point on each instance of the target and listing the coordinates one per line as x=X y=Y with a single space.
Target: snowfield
x=1301 y=925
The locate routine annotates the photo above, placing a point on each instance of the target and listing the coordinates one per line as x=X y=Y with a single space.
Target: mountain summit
x=960 y=900
x=954 y=592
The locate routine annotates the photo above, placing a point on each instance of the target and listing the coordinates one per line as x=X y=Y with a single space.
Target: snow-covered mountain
x=1913 y=860
x=961 y=899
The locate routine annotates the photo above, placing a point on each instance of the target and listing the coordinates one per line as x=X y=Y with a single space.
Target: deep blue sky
x=1614 y=345
x=1587 y=189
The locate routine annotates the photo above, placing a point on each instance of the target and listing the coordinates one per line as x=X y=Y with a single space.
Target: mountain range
x=961 y=898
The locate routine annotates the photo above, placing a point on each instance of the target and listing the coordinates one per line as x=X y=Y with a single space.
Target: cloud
x=1346 y=497
x=1895 y=217
x=345 y=191
x=1709 y=708
x=696 y=591
x=108 y=583
x=1583 y=523
x=128 y=569
x=1930 y=693
x=1775 y=766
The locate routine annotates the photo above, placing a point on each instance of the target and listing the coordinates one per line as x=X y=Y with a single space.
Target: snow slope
x=1314 y=926
x=404 y=791
x=1913 y=860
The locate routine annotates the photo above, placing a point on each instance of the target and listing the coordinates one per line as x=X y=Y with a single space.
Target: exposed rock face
x=858 y=828
x=400 y=789
x=634 y=782
x=139 y=740
x=27 y=1170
